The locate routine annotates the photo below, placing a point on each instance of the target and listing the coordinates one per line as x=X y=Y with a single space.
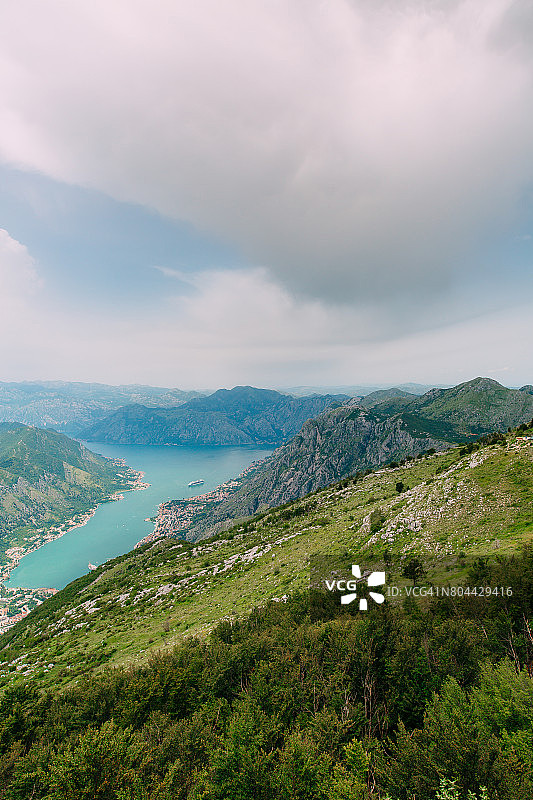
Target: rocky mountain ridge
x=478 y=406
x=352 y=438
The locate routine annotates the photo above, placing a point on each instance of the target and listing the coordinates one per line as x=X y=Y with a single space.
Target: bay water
x=117 y=526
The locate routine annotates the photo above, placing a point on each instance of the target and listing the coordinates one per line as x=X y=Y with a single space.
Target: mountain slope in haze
x=381 y=395
x=45 y=478
x=70 y=407
x=355 y=391
x=351 y=438
x=240 y=416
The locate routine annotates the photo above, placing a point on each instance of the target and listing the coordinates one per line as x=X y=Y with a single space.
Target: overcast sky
x=278 y=193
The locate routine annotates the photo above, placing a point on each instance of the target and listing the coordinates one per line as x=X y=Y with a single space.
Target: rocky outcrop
x=337 y=444
x=352 y=438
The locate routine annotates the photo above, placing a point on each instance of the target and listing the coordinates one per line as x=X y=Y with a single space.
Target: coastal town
x=16 y=603
x=175 y=517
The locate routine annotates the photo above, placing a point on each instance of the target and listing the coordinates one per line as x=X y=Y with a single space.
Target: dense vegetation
x=294 y=704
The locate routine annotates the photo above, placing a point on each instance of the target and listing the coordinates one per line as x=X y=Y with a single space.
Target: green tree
x=241 y=768
x=414 y=569
x=350 y=777
x=102 y=765
x=303 y=773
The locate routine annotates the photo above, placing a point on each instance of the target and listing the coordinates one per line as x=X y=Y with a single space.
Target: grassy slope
x=477 y=406
x=481 y=502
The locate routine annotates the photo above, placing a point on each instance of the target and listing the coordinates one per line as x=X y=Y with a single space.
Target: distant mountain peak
x=239 y=416
x=481 y=383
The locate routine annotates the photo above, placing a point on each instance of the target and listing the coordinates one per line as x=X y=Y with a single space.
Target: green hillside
x=382 y=395
x=477 y=406
x=426 y=700
x=435 y=506
x=46 y=479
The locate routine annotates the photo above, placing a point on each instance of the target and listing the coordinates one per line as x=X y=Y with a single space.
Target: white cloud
x=361 y=155
x=178 y=274
x=18 y=274
x=239 y=327
x=20 y=336
x=358 y=150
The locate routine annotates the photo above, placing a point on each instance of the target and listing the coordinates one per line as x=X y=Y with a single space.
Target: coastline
x=42 y=536
x=17 y=602
x=176 y=517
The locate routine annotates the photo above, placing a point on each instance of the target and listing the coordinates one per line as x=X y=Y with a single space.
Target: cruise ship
x=196 y=483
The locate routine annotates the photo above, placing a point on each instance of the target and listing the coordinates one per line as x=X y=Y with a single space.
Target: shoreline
x=16 y=553
x=178 y=516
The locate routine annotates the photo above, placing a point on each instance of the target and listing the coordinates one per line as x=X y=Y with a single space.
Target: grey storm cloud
x=360 y=151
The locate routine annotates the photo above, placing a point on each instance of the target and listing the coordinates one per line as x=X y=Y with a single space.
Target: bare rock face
x=338 y=443
x=353 y=438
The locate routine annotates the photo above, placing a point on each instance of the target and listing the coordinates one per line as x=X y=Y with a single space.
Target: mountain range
x=240 y=416
x=476 y=500
x=220 y=669
x=356 y=436
x=70 y=407
x=354 y=390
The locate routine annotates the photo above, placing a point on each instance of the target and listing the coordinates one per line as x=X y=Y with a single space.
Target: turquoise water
x=118 y=526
